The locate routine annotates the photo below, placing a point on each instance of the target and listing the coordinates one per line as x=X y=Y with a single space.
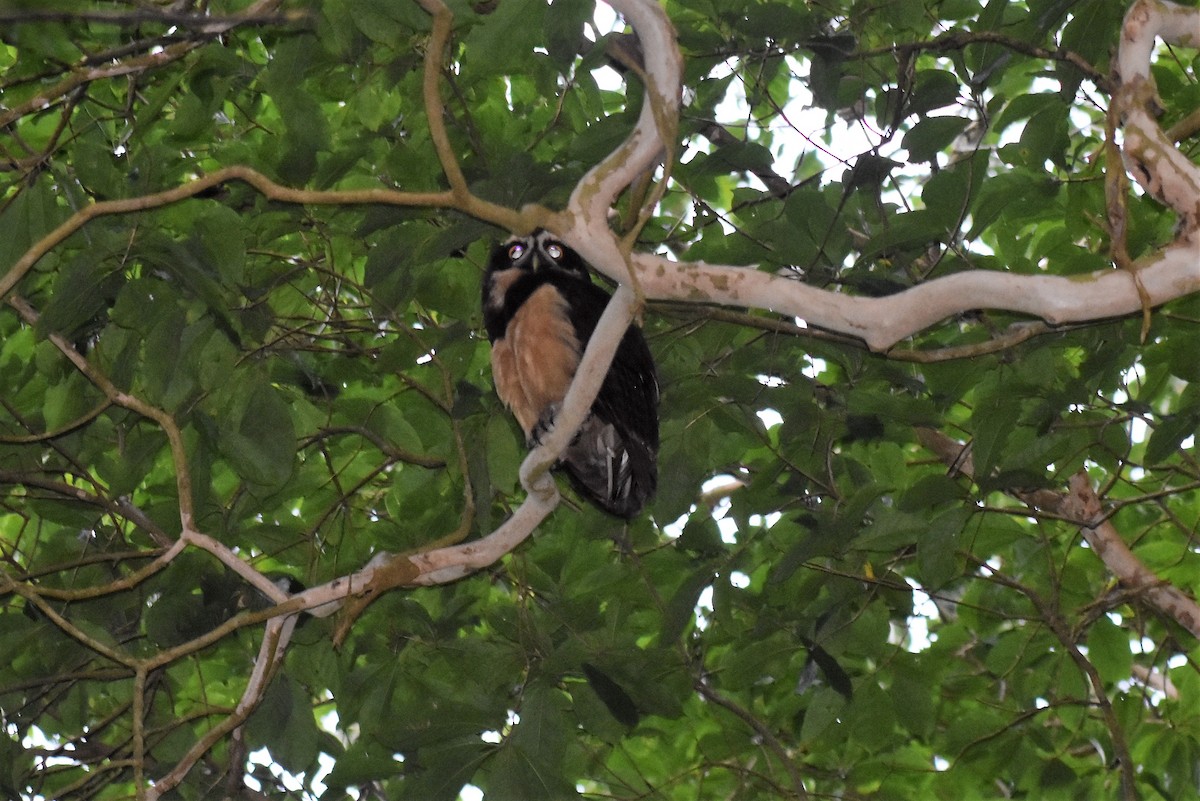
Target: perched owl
x=540 y=308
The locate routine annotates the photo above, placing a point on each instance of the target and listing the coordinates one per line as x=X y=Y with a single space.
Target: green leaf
x=701 y=536
x=779 y=21
x=681 y=608
x=361 y=763
x=938 y=557
x=930 y=492
x=284 y=724
x=504 y=454
x=1046 y=136
x=995 y=417
x=929 y=137
x=98 y=167
x=507 y=35
x=257 y=435
x=872 y=716
x=1167 y=437
x=82 y=293
x=1108 y=650
x=444 y=769
x=564 y=28
x=1093 y=30
x=68 y=401
x=528 y=765
x=822 y=713
x=305 y=128
x=161 y=350
x=933 y=89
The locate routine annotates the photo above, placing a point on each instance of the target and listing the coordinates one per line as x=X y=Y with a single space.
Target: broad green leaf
x=305 y=128
x=444 y=769
x=284 y=724
x=933 y=89
x=1168 y=435
x=822 y=713
x=508 y=35
x=938 y=558
x=258 y=437
x=565 y=28
x=1108 y=650
x=931 y=136
x=362 y=762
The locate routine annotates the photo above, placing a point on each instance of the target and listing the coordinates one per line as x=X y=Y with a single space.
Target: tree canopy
x=922 y=281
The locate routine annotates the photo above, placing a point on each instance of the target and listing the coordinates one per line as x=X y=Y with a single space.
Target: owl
x=540 y=308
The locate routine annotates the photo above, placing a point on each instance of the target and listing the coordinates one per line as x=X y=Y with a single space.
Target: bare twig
x=762 y=730
x=1049 y=615
x=202 y=23
x=1082 y=506
x=134 y=404
x=158 y=58
x=958 y=40
x=270 y=655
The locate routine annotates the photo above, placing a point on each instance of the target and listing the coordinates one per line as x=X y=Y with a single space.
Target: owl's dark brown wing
x=613 y=459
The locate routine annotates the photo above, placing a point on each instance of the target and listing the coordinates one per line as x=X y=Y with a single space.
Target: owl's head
x=538 y=251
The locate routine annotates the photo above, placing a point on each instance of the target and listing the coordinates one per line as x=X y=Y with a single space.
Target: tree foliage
x=241 y=363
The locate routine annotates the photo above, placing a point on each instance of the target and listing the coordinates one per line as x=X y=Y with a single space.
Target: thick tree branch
x=657 y=122
x=882 y=322
x=1150 y=153
x=584 y=223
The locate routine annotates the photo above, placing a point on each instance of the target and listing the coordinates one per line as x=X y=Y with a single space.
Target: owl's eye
x=515 y=251
x=554 y=250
